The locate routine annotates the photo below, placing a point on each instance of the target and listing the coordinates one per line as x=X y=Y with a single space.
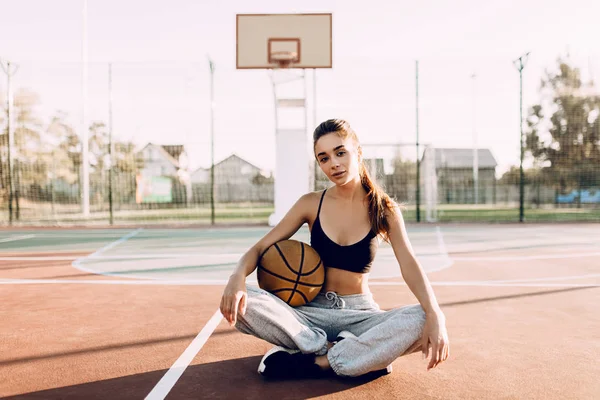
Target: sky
x=160 y=75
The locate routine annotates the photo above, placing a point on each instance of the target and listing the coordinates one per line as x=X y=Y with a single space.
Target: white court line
x=443 y=252
x=550 y=278
x=186 y=282
x=441 y=243
x=164 y=386
x=75 y=235
x=77 y=263
x=524 y=258
x=167 y=256
x=500 y=281
x=49 y=258
x=123 y=257
x=209 y=282
x=491 y=283
x=509 y=282
x=15 y=238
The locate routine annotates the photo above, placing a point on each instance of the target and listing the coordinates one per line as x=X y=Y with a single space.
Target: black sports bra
x=357 y=257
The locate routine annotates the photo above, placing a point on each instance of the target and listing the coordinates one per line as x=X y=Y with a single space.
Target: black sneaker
x=380 y=372
x=282 y=363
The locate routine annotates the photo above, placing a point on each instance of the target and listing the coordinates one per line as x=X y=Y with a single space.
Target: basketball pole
x=316 y=166
x=417 y=131
x=110 y=146
x=211 y=65
x=306 y=111
x=9 y=70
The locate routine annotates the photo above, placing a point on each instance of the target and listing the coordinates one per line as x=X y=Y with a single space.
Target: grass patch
x=259 y=214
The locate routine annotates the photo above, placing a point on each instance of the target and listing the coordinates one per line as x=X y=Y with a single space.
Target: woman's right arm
x=235 y=295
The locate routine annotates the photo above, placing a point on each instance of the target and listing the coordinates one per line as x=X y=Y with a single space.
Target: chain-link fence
x=149 y=136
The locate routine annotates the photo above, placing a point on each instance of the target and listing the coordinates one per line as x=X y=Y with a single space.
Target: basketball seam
x=299 y=275
x=288 y=279
x=286 y=263
x=263 y=253
x=284 y=259
x=283 y=290
x=314 y=269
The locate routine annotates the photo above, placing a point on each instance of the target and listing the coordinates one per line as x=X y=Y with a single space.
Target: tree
x=563 y=132
x=64 y=147
x=513 y=177
x=25 y=153
x=125 y=163
x=45 y=154
x=27 y=128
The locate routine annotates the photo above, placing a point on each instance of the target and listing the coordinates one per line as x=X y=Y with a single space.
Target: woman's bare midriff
x=345 y=282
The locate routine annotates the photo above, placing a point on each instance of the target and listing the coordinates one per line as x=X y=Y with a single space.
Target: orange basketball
x=292 y=271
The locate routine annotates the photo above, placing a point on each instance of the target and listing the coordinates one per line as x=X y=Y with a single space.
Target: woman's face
x=338 y=158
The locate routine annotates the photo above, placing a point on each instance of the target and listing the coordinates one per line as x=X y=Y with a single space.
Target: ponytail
x=381 y=206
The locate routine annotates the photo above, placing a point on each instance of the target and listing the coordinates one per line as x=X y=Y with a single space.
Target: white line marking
x=95 y=256
x=475 y=283
x=46 y=235
x=77 y=263
x=15 y=238
x=187 y=282
x=211 y=282
x=441 y=243
x=550 y=278
x=448 y=261
x=164 y=386
x=125 y=257
x=49 y=258
x=500 y=281
x=168 y=256
x=523 y=258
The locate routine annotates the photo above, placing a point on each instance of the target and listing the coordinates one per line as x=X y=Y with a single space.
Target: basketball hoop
x=283 y=59
x=284 y=41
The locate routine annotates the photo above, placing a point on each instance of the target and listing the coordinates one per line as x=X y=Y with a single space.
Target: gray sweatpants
x=381 y=336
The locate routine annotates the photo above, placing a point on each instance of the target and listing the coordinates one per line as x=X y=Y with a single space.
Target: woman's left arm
x=434 y=331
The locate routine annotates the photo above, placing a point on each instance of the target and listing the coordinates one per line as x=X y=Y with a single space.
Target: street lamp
x=520 y=65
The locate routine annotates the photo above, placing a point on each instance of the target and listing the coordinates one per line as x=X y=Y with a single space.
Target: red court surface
x=523 y=324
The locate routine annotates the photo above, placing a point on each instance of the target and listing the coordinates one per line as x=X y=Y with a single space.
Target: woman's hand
x=435 y=334
x=234 y=299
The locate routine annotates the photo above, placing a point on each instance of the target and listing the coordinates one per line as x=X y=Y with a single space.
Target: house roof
x=162 y=148
x=460 y=158
x=239 y=158
x=228 y=158
x=174 y=150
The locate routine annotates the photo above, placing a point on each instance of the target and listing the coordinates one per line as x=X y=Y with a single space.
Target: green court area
x=259 y=215
x=491 y=214
x=180 y=253
x=212 y=253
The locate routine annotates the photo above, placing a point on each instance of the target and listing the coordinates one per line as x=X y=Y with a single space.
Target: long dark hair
x=380 y=204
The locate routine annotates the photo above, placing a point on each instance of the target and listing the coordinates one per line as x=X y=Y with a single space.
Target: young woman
x=342 y=329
